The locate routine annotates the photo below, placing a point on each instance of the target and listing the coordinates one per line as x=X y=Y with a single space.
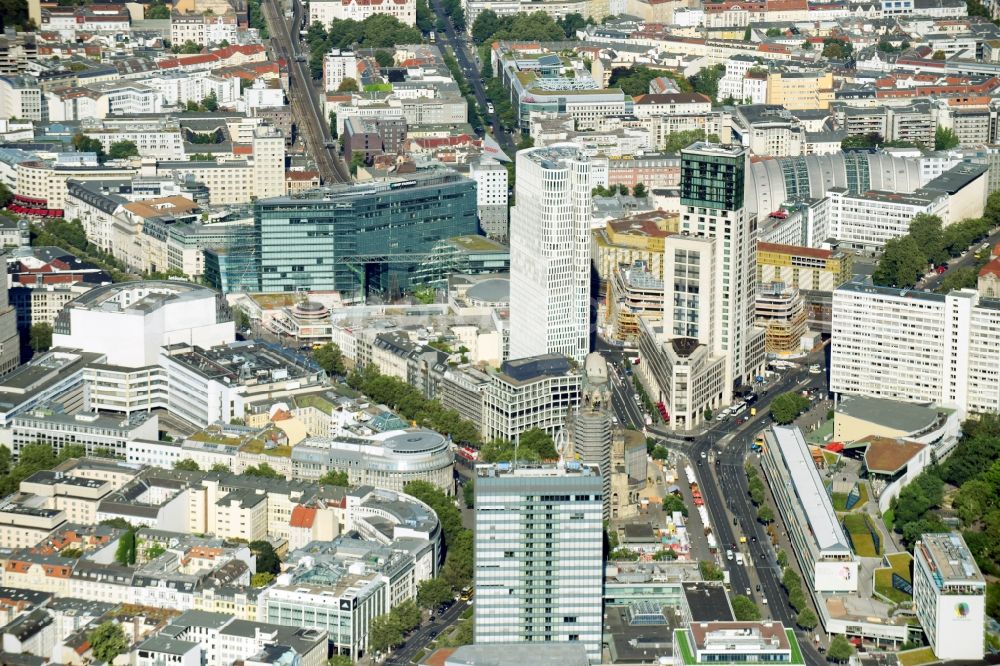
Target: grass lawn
x=883 y=585
x=794 y=644
x=687 y=656
x=840 y=500
x=916 y=657
x=901 y=563
x=858 y=527
x=888 y=518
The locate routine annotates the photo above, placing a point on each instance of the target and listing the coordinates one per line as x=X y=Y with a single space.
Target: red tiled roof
x=302 y=516
x=991 y=268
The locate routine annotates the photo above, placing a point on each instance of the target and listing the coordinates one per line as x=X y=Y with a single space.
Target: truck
x=431 y=37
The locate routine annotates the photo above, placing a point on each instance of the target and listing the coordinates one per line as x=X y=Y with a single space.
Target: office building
x=539 y=565
x=526 y=393
x=491 y=196
x=916 y=346
x=349 y=237
x=866 y=221
x=10 y=341
x=735 y=643
x=949 y=592
x=326 y=11
x=337 y=66
x=386 y=460
x=818 y=540
x=706 y=343
x=95 y=432
x=550 y=254
x=804 y=268
x=712 y=200
x=635 y=291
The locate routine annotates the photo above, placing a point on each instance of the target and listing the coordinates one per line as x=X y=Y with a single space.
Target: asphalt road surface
x=726 y=496
x=457 y=42
x=425 y=634
x=968 y=260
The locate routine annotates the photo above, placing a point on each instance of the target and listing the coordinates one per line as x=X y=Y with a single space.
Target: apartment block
x=916 y=346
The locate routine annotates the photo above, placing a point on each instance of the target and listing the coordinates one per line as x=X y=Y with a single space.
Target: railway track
x=305 y=107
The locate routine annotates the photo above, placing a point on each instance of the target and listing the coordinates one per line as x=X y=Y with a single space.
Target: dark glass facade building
x=712 y=176
x=354 y=238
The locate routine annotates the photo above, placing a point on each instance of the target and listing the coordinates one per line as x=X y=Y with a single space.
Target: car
x=721 y=417
x=704 y=455
x=758 y=587
x=432 y=634
x=614 y=419
x=748 y=592
x=729 y=555
x=490 y=108
x=743 y=539
x=763 y=600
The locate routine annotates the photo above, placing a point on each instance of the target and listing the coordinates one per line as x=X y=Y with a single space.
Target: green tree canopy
x=263 y=470
x=348 y=85
x=840 y=649
x=807 y=619
x=330 y=358
x=902 y=263
x=40 y=337
x=334 y=478
x=838 y=49
x=787 y=407
x=122 y=149
x=267 y=559
x=945 y=138
x=188 y=465
x=433 y=592
x=84 y=144
x=744 y=609
x=108 y=641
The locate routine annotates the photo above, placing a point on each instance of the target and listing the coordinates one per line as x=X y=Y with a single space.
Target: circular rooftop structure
x=310 y=310
x=492 y=292
x=415 y=442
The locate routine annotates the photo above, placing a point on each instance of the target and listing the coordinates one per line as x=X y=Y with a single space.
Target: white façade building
x=916 y=346
x=818 y=540
x=550 y=254
x=949 y=592
x=129 y=322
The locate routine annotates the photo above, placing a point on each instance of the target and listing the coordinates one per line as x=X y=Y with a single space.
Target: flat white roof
x=809 y=488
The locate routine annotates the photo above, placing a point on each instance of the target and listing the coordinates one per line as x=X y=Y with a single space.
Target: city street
x=467 y=63
x=967 y=260
x=724 y=487
x=419 y=639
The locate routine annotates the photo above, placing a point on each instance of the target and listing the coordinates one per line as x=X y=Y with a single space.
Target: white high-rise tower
x=550 y=254
x=712 y=183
